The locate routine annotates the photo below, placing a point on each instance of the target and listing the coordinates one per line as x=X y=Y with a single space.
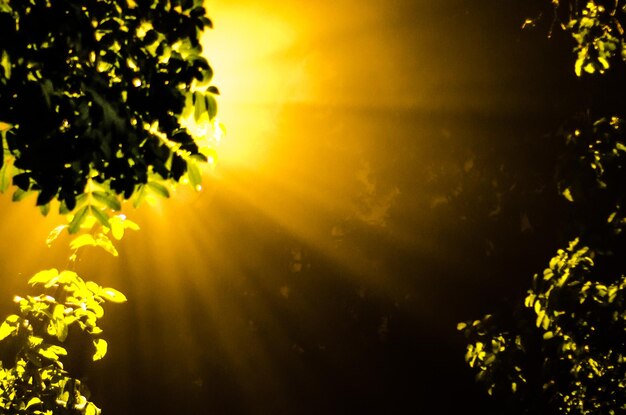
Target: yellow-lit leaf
x=567 y=193
x=52 y=352
x=54 y=234
x=107 y=199
x=93 y=287
x=58 y=316
x=117 y=228
x=113 y=295
x=33 y=401
x=105 y=243
x=44 y=277
x=6 y=329
x=97 y=309
x=159 y=189
x=91 y=409
x=195 y=177
x=82 y=240
x=101 y=349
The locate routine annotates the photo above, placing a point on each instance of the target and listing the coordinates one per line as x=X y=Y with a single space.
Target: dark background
x=387 y=173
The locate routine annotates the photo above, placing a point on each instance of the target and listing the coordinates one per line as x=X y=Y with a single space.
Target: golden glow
x=300 y=158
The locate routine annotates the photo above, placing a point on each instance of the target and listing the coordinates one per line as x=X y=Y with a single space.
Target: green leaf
x=107 y=199
x=78 y=219
x=6 y=175
x=101 y=349
x=19 y=195
x=211 y=105
x=45 y=209
x=113 y=295
x=195 y=177
x=100 y=215
x=159 y=189
x=200 y=106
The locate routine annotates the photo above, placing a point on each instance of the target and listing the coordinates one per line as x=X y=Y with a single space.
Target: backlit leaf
x=54 y=234
x=113 y=295
x=52 y=352
x=107 y=199
x=100 y=216
x=6 y=329
x=44 y=277
x=33 y=401
x=105 y=243
x=78 y=219
x=82 y=240
x=159 y=189
x=567 y=193
x=101 y=349
x=195 y=177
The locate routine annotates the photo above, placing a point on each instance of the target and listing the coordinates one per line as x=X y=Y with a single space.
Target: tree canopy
x=561 y=348
x=100 y=101
x=94 y=96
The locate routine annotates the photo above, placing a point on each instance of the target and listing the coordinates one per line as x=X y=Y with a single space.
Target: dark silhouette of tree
x=95 y=91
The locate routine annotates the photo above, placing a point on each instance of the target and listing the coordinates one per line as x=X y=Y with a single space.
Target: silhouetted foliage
x=95 y=90
x=100 y=101
x=562 y=349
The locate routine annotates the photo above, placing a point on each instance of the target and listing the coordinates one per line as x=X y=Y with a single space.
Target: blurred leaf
x=113 y=295
x=195 y=177
x=117 y=228
x=52 y=352
x=78 y=219
x=108 y=200
x=101 y=349
x=19 y=195
x=33 y=401
x=100 y=216
x=159 y=189
x=105 y=243
x=567 y=193
x=44 y=277
x=211 y=105
x=7 y=329
x=82 y=240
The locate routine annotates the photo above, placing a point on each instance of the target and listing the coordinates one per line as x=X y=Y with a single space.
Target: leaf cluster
x=568 y=354
x=32 y=376
x=93 y=91
x=597 y=26
x=563 y=349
